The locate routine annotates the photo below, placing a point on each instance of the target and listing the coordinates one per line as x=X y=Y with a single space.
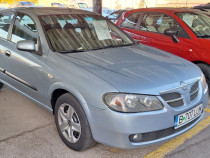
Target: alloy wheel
x=69 y=123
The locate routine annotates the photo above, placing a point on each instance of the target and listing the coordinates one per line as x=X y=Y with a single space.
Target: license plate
x=184 y=118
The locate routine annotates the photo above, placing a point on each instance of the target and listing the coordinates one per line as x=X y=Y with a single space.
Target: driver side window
x=24 y=29
x=158 y=22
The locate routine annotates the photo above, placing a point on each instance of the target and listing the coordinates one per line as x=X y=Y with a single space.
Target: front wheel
x=1 y=85
x=206 y=71
x=72 y=124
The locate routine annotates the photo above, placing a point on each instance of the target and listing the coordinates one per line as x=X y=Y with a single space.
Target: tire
x=1 y=85
x=71 y=121
x=206 y=71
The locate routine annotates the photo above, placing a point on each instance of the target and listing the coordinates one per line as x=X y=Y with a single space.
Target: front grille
x=194 y=91
x=173 y=99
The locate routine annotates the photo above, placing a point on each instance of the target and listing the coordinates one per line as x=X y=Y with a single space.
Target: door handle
x=7 y=53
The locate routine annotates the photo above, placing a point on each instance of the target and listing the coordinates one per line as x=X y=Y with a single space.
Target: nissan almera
x=99 y=83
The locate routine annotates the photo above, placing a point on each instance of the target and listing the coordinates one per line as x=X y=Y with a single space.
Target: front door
x=24 y=70
x=150 y=31
x=5 y=21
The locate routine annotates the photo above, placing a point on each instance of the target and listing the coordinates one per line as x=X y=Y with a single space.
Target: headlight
x=204 y=83
x=132 y=103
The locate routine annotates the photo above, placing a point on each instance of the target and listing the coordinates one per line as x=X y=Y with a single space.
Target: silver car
x=100 y=84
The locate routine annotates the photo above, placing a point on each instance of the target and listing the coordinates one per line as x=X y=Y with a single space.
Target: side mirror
x=172 y=33
x=26 y=45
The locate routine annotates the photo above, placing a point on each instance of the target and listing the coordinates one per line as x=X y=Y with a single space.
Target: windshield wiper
x=130 y=44
x=72 y=51
x=104 y=47
x=84 y=50
x=204 y=36
x=113 y=46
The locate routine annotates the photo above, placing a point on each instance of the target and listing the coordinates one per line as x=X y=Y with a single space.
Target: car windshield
x=78 y=32
x=198 y=23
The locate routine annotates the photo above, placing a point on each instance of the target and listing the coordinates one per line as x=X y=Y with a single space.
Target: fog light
x=135 y=137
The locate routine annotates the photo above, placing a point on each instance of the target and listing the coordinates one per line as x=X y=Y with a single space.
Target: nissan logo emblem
x=183 y=86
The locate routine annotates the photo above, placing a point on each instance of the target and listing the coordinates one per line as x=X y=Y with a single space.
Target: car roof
x=50 y=10
x=173 y=10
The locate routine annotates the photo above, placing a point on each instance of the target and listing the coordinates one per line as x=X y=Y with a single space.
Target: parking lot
x=27 y=130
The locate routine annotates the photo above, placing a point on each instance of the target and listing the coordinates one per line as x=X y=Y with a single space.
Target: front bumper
x=114 y=128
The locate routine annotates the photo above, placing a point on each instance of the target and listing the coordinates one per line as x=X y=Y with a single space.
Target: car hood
x=137 y=69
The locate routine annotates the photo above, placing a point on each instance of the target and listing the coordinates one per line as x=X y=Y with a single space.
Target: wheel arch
x=199 y=62
x=55 y=95
x=59 y=89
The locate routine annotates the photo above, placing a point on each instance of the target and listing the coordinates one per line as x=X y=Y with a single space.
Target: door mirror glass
x=171 y=32
x=26 y=45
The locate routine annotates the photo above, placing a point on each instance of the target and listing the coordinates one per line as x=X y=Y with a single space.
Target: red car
x=183 y=32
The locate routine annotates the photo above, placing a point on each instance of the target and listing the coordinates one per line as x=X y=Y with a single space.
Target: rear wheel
x=206 y=71
x=1 y=85
x=72 y=124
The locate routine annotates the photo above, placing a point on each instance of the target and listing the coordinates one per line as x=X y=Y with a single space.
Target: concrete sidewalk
x=28 y=131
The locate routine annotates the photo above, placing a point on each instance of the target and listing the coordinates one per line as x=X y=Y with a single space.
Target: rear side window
x=131 y=21
x=24 y=29
x=5 y=20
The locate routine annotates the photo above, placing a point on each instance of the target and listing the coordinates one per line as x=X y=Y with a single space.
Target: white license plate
x=188 y=116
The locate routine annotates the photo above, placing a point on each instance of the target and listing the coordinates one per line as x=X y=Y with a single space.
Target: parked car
x=183 y=32
x=54 y=4
x=25 y=4
x=203 y=6
x=107 y=11
x=114 y=17
x=82 y=5
x=2 y=8
x=98 y=82
x=204 y=11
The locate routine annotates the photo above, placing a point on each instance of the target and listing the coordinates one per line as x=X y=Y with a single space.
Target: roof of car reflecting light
x=173 y=10
x=50 y=10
